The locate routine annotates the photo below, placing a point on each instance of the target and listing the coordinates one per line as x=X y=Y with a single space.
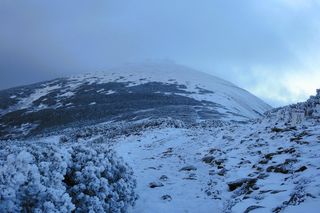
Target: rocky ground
x=260 y=166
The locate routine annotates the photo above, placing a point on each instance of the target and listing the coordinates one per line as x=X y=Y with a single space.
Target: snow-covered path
x=158 y=158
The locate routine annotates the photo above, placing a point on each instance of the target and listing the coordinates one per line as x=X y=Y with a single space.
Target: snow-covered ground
x=269 y=164
x=260 y=166
x=157 y=157
x=184 y=170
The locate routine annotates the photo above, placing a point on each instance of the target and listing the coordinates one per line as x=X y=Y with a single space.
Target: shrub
x=56 y=178
x=99 y=182
x=31 y=179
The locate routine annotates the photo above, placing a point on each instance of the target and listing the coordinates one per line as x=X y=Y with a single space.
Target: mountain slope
x=128 y=93
x=264 y=165
x=269 y=164
x=185 y=141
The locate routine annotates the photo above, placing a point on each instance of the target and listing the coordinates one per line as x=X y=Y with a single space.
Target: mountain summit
x=127 y=93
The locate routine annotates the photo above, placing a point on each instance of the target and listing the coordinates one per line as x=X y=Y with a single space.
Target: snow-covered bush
x=31 y=179
x=56 y=178
x=296 y=113
x=109 y=131
x=98 y=182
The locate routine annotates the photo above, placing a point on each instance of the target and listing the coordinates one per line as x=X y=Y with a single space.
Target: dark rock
x=277 y=191
x=246 y=182
x=155 y=184
x=166 y=197
x=222 y=172
x=251 y=208
x=251 y=175
x=214 y=150
x=269 y=156
x=219 y=162
x=259 y=169
x=301 y=169
x=168 y=152
x=208 y=159
x=265 y=191
x=302 y=142
x=281 y=169
x=191 y=176
x=164 y=178
x=244 y=162
x=278 y=169
x=220 y=167
x=295 y=139
x=188 y=168
x=151 y=167
x=289 y=161
x=303 y=134
x=289 y=150
x=263 y=161
x=277 y=130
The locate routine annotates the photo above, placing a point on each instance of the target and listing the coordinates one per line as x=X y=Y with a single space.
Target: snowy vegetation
x=296 y=113
x=55 y=178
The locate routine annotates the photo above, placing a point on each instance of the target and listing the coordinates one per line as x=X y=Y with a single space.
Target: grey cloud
x=225 y=38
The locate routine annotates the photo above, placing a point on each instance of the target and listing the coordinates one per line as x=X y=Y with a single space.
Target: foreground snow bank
x=54 y=178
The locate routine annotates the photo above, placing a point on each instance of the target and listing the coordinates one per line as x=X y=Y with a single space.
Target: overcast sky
x=271 y=48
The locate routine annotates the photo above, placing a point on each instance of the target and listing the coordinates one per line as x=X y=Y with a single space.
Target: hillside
x=194 y=144
x=128 y=93
x=262 y=166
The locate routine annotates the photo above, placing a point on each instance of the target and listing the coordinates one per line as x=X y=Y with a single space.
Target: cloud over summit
x=270 y=48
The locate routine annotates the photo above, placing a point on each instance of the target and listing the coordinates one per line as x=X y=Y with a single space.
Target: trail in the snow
x=169 y=161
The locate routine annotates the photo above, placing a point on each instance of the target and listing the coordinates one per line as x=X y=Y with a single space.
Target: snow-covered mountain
x=182 y=134
x=127 y=93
